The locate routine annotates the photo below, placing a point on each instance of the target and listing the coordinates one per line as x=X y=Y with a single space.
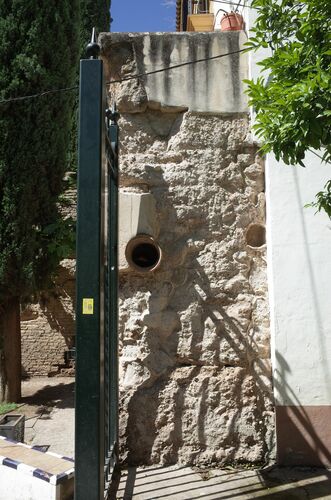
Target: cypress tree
x=39 y=47
x=94 y=14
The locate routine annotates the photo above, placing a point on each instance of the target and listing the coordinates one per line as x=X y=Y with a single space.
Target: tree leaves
x=293 y=105
x=42 y=53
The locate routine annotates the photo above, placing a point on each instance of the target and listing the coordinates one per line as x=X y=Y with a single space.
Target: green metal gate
x=96 y=304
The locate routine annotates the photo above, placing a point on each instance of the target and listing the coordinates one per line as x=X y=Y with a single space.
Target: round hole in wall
x=255 y=235
x=143 y=253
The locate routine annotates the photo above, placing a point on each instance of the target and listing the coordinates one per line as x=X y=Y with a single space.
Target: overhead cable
x=40 y=94
x=139 y=75
x=125 y=79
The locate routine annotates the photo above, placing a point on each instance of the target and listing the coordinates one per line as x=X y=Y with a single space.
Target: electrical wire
x=243 y=6
x=40 y=94
x=131 y=77
x=139 y=75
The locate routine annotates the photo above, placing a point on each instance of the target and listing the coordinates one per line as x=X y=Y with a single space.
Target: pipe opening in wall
x=143 y=253
x=255 y=235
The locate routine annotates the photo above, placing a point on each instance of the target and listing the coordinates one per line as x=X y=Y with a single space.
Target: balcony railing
x=198 y=7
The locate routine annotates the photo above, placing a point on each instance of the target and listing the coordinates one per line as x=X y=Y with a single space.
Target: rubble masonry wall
x=194 y=334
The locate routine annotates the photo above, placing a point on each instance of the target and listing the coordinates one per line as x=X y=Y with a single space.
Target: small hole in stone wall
x=143 y=253
x=255 y=235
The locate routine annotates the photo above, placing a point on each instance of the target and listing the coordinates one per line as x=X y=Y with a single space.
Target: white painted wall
x=299 y=276
x=17 y=485
x=299 y=272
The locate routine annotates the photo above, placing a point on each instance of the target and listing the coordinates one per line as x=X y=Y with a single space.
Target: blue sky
x=143 y=15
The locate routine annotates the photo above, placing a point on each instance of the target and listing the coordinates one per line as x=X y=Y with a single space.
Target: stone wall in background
x=194 y=334
x=48 y=327
x=48 y=324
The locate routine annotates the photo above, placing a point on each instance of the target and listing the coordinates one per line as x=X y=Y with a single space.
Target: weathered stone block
x=194 y=335
x=210 y=86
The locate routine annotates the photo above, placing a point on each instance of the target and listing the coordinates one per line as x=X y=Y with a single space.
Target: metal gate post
x=96 y=430
x=112 y=132
x=89 y=445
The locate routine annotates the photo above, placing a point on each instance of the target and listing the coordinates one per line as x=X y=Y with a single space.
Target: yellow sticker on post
x=88 y=306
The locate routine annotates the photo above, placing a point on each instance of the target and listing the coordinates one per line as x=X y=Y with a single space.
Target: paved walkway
x=48 y=406
x=176 y=483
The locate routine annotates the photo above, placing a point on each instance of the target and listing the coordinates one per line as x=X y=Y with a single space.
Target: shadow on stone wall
x=196 y=383
x=48 y=327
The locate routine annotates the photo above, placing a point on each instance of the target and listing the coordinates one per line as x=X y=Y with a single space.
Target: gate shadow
x=176 y=482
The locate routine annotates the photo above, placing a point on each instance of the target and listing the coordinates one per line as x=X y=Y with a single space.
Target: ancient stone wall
x=194 y=334
x=48 y=327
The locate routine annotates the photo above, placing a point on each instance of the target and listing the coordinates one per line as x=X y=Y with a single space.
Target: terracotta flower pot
x=232 y=22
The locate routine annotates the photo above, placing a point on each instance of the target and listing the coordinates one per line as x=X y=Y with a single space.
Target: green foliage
x=39 y=46
x=94 y=14
x=323 y=200
x=293 y=100
x=60 y=239
x=7 y=407
x=294 y=105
